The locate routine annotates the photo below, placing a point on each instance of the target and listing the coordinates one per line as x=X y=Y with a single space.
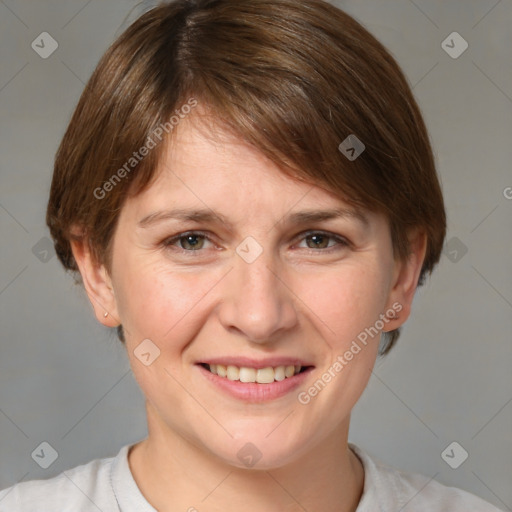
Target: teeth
x=260 y=375
x=289 y=371
x=279 y=373
x=265 y=375
x=233 y=373
x=247 y=374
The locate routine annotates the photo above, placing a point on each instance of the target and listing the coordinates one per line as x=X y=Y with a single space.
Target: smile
x=254 y=375
x=255 y=381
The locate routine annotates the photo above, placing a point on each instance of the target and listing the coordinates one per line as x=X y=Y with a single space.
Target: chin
x=259 y=452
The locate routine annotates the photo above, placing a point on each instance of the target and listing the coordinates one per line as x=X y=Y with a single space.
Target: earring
x=105 y=314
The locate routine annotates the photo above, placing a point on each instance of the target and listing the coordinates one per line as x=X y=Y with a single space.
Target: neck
x=174 y=474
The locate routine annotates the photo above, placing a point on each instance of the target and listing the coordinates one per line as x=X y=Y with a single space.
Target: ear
x=97 y=283
x=405 y=280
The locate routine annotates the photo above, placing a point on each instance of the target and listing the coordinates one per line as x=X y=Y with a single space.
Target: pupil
x=191 y=240
x=317 y=239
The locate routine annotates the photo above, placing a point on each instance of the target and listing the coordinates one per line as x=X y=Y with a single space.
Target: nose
x=257 y=301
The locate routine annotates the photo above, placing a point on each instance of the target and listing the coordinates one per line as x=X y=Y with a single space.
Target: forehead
x=203 y=162
x=206 y=173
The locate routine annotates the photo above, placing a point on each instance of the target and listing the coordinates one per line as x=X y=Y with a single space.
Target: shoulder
x=387 y=488
x=86 y=488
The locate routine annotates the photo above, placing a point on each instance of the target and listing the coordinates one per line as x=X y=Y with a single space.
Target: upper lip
x=249 y=362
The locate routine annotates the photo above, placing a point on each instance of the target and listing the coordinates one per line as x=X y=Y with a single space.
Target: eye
x=320 y=241
x=317 y=241
x=188 y=242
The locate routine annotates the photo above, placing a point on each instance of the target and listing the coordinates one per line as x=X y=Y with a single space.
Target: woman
x=247 y=192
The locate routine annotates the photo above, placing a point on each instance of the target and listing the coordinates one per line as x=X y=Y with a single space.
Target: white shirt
x=107 y=485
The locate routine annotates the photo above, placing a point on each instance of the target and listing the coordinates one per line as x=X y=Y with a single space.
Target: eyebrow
x=209 y=216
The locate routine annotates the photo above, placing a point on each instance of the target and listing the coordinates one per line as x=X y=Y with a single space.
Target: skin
x=296 y=299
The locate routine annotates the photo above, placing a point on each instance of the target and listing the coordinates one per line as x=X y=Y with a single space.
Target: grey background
x=65 y=379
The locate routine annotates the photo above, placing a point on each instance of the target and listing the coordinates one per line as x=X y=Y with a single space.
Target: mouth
x=254 y=380
x=247 y=374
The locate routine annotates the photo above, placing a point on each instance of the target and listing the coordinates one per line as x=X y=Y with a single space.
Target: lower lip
x=252 y=391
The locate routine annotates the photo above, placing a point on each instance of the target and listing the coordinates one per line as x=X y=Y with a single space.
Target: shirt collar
x=124 y=487
x=130 y=499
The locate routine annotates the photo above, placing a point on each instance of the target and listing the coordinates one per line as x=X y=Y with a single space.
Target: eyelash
x=168 y=243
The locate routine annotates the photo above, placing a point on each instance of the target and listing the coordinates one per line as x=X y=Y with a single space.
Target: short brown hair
x=293 y=79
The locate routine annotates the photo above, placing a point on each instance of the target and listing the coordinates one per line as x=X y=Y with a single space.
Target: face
x=259 y=285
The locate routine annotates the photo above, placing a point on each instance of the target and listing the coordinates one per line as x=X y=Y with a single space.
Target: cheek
x=345 y=300
x=157 y=303
x=164 y=307
x=348 y=303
